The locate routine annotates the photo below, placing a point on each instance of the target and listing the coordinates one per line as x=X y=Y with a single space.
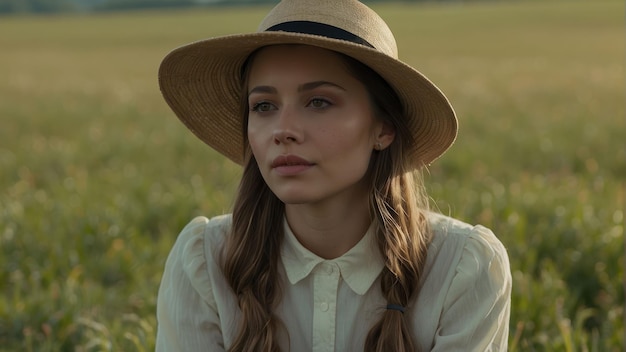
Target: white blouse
x=330 y=305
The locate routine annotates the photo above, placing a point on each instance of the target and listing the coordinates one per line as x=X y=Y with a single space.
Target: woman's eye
x=318 y=103
x=262 y=107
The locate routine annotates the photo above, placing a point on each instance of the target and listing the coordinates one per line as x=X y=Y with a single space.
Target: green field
x=97 y=176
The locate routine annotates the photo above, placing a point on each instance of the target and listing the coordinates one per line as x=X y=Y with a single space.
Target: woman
x=330 y=246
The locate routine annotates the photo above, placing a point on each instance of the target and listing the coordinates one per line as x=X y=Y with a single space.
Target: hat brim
x=201 y=83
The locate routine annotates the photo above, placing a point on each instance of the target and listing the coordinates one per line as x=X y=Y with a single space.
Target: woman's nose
x=288 y=128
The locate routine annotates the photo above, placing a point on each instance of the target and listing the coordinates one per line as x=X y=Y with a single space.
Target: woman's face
x=311 y=125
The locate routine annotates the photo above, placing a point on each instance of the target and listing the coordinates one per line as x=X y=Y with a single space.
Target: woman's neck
x=329 y=230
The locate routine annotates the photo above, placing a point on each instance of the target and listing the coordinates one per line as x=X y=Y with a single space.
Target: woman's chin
x=294 y=198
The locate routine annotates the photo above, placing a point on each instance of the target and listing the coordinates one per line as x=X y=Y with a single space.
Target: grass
x=97 y=176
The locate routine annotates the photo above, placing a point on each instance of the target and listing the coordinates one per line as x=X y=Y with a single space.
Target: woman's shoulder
x=466 y=287
x=456 y=244
x=196 y=252
x=202 y=224
x=448 y=231
x=203 y=231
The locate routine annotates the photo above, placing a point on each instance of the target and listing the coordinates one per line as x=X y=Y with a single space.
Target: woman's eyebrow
x=262 y=89
x=313 y=85
x=301 y=88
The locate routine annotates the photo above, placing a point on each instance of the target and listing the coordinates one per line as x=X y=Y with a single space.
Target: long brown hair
x=397 y=204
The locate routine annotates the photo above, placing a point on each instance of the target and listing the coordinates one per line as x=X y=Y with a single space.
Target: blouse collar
x=359 y=267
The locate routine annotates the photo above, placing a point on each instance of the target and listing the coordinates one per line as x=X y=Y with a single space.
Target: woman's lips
x=290 y=165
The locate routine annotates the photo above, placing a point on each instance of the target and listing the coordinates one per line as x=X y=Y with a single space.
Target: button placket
x=326 y=281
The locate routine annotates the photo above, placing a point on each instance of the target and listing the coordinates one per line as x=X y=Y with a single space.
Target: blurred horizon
x=21 y=7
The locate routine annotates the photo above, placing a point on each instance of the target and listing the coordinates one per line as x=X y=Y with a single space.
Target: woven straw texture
x=201 y=81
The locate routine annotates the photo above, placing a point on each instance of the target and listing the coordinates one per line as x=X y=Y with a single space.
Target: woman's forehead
x=298 y=61
x=298 y=53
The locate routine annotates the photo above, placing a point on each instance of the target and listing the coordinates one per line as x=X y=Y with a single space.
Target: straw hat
x=200 y=81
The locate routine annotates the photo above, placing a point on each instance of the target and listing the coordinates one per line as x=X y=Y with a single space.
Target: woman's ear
x=386 y=135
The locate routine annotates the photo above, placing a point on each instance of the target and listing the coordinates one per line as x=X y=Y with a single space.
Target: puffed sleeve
x=186 y=309
x=476 y=310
